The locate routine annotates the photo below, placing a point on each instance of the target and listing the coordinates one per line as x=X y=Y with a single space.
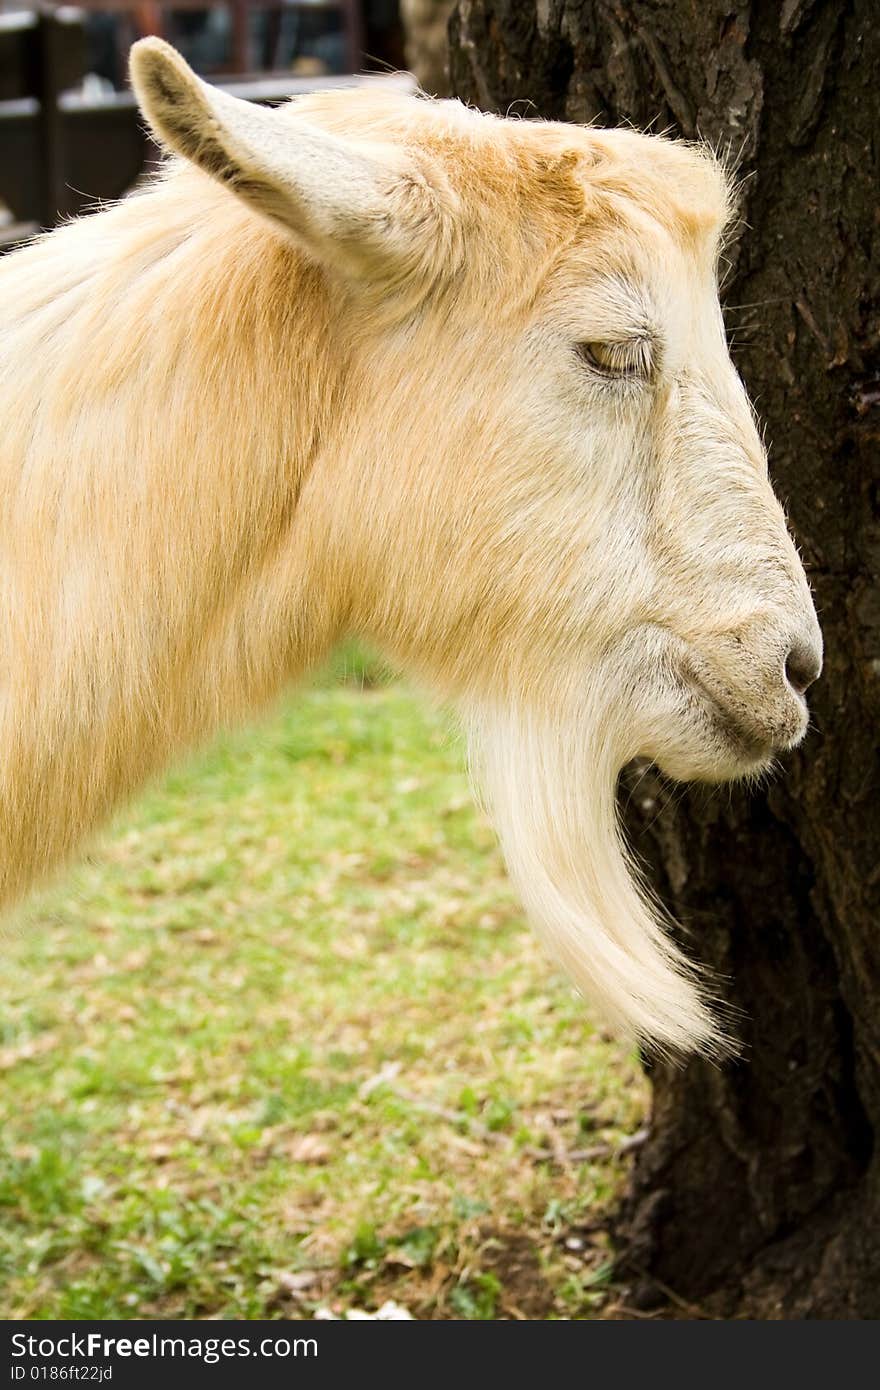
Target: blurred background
x=69 y=130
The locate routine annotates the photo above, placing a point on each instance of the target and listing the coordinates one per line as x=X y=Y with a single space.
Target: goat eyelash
x=629 y=360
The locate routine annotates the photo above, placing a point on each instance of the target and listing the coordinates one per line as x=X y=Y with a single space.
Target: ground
x=283 y=1043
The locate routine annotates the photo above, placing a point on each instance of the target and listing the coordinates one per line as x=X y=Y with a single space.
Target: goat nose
x=802 y=666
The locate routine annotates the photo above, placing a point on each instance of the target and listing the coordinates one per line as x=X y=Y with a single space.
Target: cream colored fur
x=326 y=375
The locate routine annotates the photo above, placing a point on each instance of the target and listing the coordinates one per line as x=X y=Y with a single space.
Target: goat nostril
x=802 y=667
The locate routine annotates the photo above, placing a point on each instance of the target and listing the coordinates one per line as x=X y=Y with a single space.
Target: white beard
x=549 y=782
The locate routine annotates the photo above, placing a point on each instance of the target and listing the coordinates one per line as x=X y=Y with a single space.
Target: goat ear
x=366 y=209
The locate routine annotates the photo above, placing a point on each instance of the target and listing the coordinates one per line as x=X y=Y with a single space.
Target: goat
x=375 y=364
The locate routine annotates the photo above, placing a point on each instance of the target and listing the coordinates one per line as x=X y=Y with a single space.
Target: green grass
x=284 y=1041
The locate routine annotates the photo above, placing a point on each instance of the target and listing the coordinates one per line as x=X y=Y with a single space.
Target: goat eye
x=631 y=358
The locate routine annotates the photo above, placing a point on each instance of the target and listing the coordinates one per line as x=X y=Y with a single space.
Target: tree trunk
x=758 y=1191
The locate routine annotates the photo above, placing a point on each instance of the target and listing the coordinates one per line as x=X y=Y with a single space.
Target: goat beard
x=548 y=783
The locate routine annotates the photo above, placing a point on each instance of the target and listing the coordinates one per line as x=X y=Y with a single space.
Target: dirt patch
x=515 y=1262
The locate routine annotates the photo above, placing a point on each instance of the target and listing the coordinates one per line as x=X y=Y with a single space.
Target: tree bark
x=758 y=1191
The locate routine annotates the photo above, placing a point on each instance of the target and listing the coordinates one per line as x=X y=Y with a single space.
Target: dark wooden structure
x=163 y=16
x=63 y=147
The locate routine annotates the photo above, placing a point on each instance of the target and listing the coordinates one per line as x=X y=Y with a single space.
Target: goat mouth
x=744 y=740
x=751 y=746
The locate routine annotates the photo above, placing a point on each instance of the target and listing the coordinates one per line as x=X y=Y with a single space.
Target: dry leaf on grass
x=310 y=1148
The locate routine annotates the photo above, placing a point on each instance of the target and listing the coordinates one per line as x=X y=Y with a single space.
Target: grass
x=283 y=1042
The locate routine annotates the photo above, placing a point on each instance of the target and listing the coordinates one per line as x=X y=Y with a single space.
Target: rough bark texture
x=759 y=1189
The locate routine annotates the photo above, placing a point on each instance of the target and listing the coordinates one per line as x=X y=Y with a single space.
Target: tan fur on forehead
x=682 y=186
x=577 y=171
